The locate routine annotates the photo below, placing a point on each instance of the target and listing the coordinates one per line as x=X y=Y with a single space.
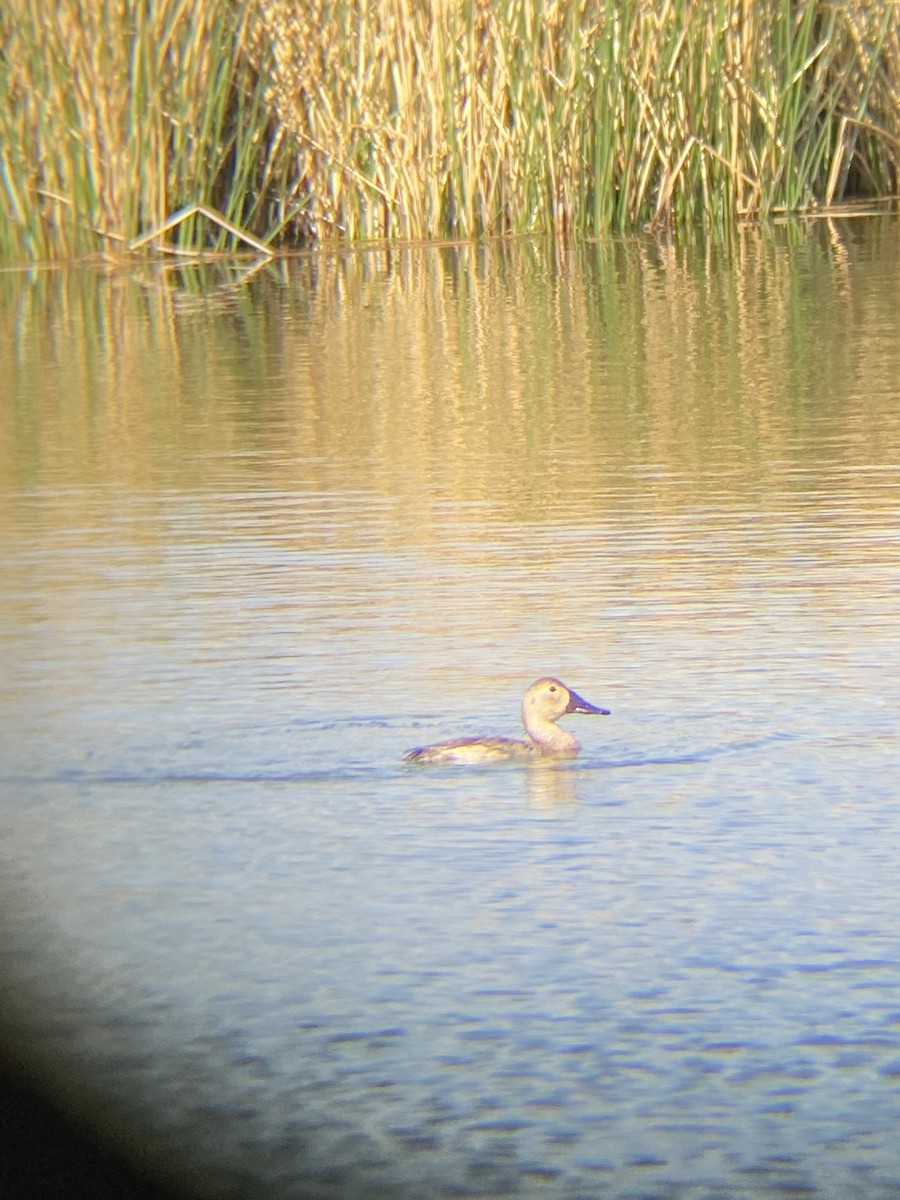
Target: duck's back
x=473 y=750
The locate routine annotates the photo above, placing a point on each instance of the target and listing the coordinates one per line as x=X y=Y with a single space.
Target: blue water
x=240 y=933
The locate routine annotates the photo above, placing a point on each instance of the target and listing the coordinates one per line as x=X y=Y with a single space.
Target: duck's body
x=545 y=702
x=474 y=750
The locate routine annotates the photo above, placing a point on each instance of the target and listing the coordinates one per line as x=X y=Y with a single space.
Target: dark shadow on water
x=46 y=1154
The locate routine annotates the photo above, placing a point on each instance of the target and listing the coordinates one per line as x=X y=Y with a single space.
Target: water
x=262 y=534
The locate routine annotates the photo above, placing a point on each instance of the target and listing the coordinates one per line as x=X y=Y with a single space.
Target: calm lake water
x=263 y=530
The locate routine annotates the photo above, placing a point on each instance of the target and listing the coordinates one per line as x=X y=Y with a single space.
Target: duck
x=545 y=702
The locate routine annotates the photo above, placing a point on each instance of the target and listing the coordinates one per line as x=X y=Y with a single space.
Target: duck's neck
x=551 y=738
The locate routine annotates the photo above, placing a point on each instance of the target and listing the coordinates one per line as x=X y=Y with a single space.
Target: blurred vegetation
x=359 y=119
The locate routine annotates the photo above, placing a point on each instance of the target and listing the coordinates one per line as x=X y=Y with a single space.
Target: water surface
x=262 y=532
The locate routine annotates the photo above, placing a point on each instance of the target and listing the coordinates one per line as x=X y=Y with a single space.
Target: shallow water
x=261 y=535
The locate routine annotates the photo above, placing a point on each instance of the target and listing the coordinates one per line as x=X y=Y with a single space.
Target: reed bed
x=114 y=114
x=435 y=118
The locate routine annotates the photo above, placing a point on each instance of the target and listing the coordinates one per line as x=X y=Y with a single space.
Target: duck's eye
x=552 y=687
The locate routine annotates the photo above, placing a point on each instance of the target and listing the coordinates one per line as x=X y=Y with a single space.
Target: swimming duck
x=545 y=702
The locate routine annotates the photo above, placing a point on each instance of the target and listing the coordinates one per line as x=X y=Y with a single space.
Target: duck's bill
x=577 y=705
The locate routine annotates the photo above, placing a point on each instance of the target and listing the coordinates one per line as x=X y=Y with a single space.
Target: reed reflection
x=530 y=378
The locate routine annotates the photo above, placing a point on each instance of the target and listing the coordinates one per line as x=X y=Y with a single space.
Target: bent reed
x=359 y=119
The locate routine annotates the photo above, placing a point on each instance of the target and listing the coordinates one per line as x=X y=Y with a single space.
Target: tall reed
x=115 y=113
x=420 y=119
x=485 y=116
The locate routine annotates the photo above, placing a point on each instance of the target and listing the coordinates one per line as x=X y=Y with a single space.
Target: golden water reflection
x=572 y=442
x=533 y=378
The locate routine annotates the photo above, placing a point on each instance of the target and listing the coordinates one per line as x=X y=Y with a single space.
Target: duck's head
x=549 y=699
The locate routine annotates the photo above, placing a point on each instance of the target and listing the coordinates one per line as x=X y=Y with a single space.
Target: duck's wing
x=473 y=750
